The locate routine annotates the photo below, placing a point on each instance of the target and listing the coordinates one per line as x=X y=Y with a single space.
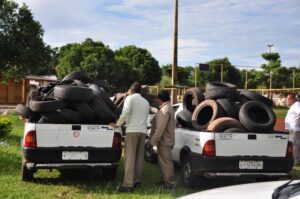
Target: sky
x=208 y=29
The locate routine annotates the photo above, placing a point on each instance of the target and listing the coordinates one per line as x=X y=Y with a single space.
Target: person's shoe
x=159 y=183
x=137 y=185
x=122 y=189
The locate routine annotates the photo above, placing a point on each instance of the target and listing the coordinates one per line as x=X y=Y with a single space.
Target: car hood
x=245 y=191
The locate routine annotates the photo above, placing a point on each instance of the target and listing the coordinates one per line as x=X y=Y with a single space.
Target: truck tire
x=256 y=116
x=43 y=120
x=184 y=118
x=192 y=98
x=103 y=113
x=54 y=117
x=88 y=115
x=23 y=110
x=223 y=123
x=70 y=115
x=77 y=75
x=150 y=156
x=256 y=97
x=26 y=174
x=100 y=92
x=204 y=113
x=235 y=130
x=110 y=173
x=73 y=93
x=46 y=104
x=229 y=107
x=217 y=90
x=189 y=179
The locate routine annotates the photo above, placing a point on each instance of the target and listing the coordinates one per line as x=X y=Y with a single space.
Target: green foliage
x=5 y=126
x=22 y=48
x=96 y=59
x=184 y=74
x=146 y=68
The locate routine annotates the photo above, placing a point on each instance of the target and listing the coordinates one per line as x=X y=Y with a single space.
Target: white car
x=204 y=154
x=275 y=189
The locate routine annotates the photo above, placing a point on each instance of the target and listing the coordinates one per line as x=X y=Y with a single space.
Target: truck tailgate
x=66 y=135
x=251 y=144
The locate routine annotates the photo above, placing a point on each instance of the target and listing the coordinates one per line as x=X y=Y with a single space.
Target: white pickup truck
x=67 y=146
x=239 y=154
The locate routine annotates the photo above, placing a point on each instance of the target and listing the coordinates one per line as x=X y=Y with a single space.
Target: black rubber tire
x=70 y=115
x=119 y=99
x=256 y=116
x=43 y=120
x=34 y=118
x=73 y=93
x=222 y=124
x=204 y=113
x=189 y=179
x=235 y=130
x=150 y=156
x=229 y=107
x=192 y=98
x=23 y=110
x=218 y=90
x=54 y=117
x=184 y=118
x=77 y=75
x=87 y=113
x=103 y=113
x=256 y=97
x=100 y=92
x=102 y=84
x=118 y=111
x=26 y=174
x=46 y=104
x=110 y=173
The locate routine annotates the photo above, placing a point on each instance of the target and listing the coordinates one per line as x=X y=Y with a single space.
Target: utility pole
x=222 y=67
x=175 y=53
x=294 y=81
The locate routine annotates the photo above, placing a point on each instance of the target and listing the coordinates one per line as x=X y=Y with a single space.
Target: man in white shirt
x=135 y=113
x=292 y=123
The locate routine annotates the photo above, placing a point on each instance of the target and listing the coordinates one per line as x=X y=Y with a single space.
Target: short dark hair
x=164 y=96
x=136 y=87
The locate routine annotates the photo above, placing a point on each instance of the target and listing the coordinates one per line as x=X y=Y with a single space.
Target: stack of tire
x=223 y=109
x=74 y=100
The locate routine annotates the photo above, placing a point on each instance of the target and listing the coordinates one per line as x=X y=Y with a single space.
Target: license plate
x=251 y=164
x=75 y=155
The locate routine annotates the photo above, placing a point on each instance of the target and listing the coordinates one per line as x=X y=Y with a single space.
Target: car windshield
x=287 y=190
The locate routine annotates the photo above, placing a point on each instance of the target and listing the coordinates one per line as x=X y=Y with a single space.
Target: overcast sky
x=238 y=29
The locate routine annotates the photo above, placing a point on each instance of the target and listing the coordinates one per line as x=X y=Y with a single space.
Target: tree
x=146 y=67
x=273 y=63
x=230 y=73
x=97 y=60
x=22 y=48
x=183 y=74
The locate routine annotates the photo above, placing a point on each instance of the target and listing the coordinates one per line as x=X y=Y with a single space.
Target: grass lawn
x=280 y=112
x=80 y=185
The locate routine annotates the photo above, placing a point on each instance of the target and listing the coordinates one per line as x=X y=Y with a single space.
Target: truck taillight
x=30 y=139
x=209 y=148
x=289 y=150
x=117 y=141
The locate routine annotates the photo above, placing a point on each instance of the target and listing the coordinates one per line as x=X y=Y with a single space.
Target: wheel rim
x=187 y=172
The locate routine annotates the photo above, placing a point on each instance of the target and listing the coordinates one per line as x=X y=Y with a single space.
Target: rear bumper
x=54 y=155
x=33 y=166
x=229 y=166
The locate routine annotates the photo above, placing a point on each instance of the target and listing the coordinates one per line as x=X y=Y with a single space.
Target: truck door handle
x=251 y=137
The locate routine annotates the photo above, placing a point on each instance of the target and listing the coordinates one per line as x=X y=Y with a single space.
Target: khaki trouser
x=165 y=162
x=134 y=158
x=296 y=145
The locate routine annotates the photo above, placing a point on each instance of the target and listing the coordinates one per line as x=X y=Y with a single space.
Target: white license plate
x=75 y=155
x=251 y=164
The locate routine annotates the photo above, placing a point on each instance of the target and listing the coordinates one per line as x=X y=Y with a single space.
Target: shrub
x=5 y=126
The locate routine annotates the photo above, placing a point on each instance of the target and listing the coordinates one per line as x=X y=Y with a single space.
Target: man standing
x=162 y=136
x=135 y=113
x=292 y=123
